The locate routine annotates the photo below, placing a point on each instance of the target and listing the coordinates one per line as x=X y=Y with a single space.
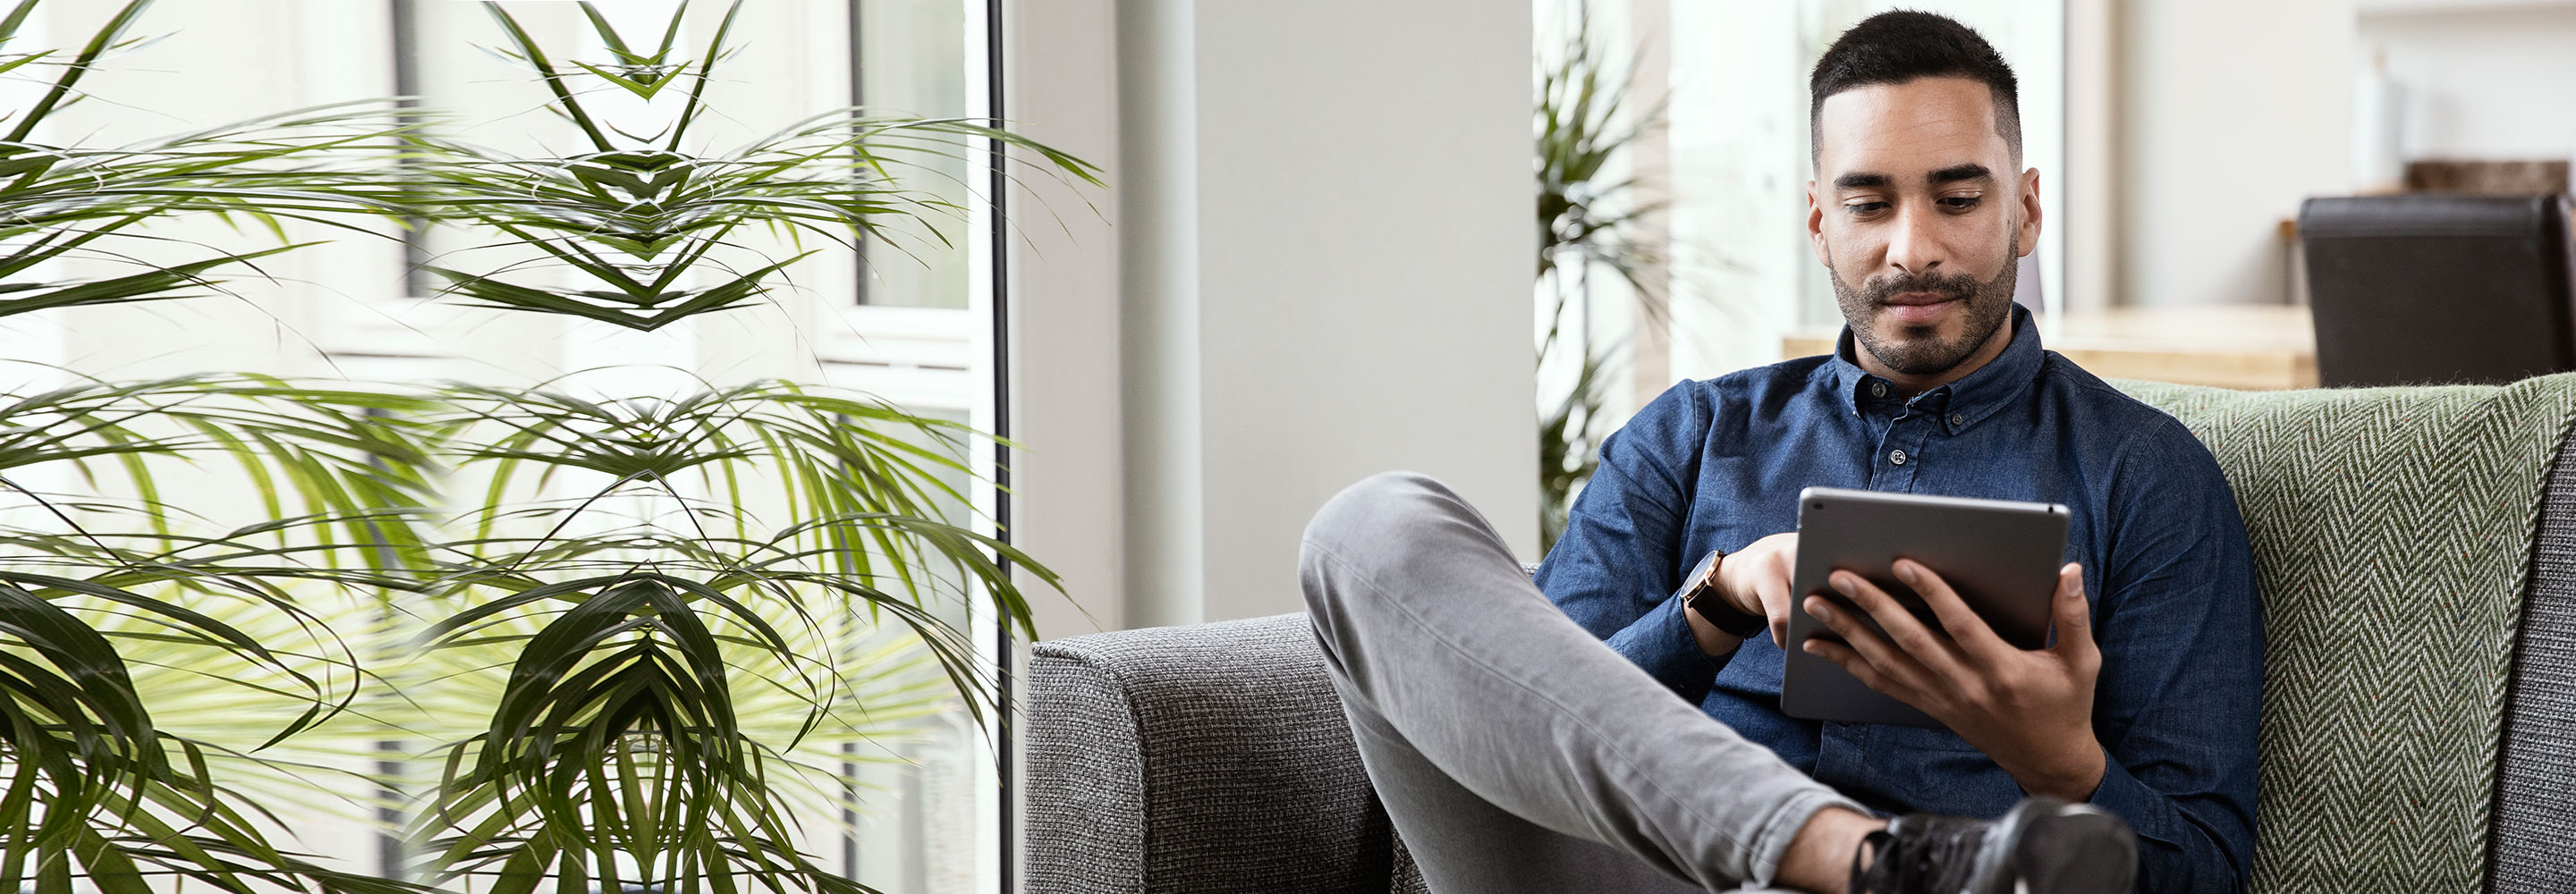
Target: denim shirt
x=1718 y=464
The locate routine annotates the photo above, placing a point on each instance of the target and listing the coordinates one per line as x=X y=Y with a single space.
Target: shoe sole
x=2059 y=848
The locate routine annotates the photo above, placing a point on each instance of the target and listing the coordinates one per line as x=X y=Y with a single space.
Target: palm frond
x=1584 y=120
x=96 y=790
x=634 y=220
x=617 y=576
x=317 y=165
x=631 y=660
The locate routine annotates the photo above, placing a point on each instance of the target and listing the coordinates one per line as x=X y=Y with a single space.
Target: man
x=1516 y=753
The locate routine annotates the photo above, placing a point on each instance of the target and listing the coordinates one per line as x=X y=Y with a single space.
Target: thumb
x=2074 y=614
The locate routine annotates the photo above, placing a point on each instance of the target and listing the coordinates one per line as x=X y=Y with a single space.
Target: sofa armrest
x=1213 y=757
x=2535 y=807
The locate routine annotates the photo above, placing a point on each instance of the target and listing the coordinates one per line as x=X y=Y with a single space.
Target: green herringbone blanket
x=2392 y=532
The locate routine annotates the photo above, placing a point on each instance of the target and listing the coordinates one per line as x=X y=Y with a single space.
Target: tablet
x=2001 y=556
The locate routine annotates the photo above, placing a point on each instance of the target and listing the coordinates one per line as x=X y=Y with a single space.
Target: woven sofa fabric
x=2392 y=532
x=1085 y=810
x=2536 y=785
x=1406 y=875
x=1242 y=764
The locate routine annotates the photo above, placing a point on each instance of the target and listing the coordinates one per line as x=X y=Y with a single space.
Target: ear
x=1816 y=226
x=2030 y=212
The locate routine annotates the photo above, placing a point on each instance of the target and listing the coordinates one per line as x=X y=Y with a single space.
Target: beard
x=1919 y=350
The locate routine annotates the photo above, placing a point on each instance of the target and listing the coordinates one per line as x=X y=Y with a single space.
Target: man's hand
x=2032 y=711
x=1753 y=580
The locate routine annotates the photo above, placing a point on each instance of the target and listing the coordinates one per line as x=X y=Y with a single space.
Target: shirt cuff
x=2127 y=798
x=1661 y=644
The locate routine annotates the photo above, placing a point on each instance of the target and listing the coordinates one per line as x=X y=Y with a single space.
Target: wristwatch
x=1699 y=594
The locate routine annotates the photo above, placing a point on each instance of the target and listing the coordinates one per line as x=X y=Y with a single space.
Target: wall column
x=1325 y=236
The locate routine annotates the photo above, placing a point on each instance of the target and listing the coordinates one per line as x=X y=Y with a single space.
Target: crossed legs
x=1514 y=751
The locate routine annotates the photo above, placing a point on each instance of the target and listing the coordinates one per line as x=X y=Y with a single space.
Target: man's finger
x=1860 y=669
x=1903 y=629
x=1774 y=593
x=1890 y=660
x=1970 y=632
x=2074 y=613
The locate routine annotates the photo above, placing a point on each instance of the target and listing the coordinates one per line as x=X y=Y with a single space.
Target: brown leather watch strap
x=1699 y=594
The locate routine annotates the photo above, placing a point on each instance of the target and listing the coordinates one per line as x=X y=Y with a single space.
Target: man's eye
x=1865 y=208
x=1960 y=203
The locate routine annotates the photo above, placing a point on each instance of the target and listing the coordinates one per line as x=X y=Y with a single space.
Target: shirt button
x=1958 y=420
x=1896 y=456
x=1878 y=389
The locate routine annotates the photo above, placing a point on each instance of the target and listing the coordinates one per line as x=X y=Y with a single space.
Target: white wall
x=1067 y=487
x=2482 y=83
x=2231 y=114
x=1325 y=245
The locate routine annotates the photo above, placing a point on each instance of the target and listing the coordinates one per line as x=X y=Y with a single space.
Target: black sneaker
x=2044 y=846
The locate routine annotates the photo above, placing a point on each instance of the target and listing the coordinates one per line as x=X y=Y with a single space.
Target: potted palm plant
x=624 y=565
x=626 y=632
x=103 y=585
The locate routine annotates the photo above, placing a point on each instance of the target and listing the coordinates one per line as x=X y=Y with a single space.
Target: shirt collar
x=1962 y=403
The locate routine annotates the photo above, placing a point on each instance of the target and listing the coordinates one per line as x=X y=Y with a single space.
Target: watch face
x=1699 y=573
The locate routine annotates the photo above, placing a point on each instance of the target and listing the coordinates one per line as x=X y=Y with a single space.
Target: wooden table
x=2231 y=346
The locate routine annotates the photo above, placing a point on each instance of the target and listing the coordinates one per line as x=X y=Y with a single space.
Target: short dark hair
x=1900 y=46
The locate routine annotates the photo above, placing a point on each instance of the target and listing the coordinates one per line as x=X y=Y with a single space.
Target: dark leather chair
x=2427 y=288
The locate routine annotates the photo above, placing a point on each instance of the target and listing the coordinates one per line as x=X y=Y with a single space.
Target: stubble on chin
x=1919 y=350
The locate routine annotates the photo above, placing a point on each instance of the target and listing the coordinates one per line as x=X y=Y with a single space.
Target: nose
x=1913 y=247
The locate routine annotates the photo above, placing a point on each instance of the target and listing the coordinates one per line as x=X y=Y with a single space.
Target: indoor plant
x=620 y=555
x=102 y=581
x=1588 y=219
x=567 y=600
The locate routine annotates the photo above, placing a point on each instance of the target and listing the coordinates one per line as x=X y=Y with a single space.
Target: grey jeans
x=1514 y=751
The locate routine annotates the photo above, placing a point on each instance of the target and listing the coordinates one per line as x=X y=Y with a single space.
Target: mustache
x=1959 y=287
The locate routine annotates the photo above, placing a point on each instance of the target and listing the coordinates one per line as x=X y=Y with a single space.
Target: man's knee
x=1353 y=539
x=1367 y=524
x=1377 y=511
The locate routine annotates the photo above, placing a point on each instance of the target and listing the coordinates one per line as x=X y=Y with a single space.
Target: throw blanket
x=2392 y=532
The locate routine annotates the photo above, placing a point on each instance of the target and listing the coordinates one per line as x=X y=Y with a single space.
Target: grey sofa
x=1215 y=757
x=1212 y=757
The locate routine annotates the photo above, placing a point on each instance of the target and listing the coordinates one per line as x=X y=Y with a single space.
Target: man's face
x=1919 y=216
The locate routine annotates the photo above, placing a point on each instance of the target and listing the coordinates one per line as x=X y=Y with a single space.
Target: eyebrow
x=1849 y=182
x=1951 y=174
